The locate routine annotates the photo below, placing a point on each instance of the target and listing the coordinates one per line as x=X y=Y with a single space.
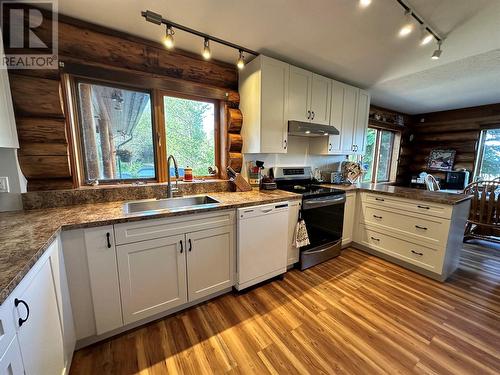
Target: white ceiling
x=338 y=39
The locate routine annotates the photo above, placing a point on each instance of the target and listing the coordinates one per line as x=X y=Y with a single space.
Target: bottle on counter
x=188 y=174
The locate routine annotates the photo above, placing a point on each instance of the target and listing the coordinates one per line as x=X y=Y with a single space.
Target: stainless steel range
x=322 y=210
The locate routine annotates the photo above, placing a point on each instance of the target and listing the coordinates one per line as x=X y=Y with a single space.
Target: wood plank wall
x=455 y=129
x=41 y=117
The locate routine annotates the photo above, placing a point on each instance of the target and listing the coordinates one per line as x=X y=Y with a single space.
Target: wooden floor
x=356 y=314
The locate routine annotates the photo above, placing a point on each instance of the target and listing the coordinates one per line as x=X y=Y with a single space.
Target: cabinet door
x=337 y=106
x=293 y=252
x=321 y=92
x=362 y=112
x=8 y=133
x=152 y=276
x=274 y=91
x=299 y=94
x=11 y=362
x=349 y=118
x=349 y=216
x=210 y=261
x=103 y=272
x=40 y=336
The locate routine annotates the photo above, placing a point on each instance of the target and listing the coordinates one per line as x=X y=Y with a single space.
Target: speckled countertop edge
x=26 y=235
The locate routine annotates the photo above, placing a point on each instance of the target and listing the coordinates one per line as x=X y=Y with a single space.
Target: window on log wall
x=121 y=140
x=378 y=158
x=488 y=158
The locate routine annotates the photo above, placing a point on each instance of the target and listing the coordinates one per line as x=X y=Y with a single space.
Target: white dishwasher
x=262 y=243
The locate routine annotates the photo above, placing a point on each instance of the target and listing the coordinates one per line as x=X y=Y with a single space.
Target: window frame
x=82 y=167
x=71 y=80
x=376 y=156
x=480 y=150
x=163 y=131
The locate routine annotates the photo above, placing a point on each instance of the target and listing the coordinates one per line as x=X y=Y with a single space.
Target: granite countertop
x=405 y=192
x=25 y=235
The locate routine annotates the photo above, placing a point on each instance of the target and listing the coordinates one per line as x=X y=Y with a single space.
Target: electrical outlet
x=4 y=185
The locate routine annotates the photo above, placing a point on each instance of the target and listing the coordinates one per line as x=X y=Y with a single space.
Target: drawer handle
x=377 y=217
x=107 y=238
x=17 y=302
x=380 y=199
x=182 y=246
x=419 y=227
x=417 y=253
x=424 y=207
x=375 y=239
x=190 y=245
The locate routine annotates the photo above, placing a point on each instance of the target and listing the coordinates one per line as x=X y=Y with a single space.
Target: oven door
x=324 y=218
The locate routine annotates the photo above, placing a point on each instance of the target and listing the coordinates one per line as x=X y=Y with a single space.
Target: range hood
x=310 y=129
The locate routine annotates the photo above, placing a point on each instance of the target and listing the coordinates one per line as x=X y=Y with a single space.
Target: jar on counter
x=188 y=174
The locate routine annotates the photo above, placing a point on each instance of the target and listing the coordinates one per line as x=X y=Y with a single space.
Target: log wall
x=42 y=121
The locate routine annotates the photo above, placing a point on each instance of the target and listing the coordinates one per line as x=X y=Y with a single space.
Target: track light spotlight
x=364 y=3
x=206 y=49
x=169 y=37
x=426 y=38
x=437 y=53
x=408 y=26
x=240 y=63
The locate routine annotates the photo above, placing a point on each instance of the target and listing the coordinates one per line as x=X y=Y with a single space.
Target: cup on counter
x=188 y=174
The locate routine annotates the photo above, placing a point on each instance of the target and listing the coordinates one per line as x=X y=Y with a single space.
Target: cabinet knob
x=18 y=302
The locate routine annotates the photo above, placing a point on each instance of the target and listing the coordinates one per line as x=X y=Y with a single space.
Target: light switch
x=4 y=185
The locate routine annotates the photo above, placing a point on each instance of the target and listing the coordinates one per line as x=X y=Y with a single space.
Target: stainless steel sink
x=146 y=205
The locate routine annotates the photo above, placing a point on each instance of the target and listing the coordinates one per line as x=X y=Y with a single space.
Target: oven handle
x=312 y=251
x=309 y=204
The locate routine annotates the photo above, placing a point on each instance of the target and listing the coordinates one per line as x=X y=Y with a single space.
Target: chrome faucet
x=170 y=191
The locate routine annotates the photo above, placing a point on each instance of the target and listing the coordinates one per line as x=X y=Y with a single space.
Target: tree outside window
x=378 y=155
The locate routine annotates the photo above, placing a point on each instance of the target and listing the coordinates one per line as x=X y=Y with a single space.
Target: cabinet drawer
x=430 y=229
x=416 y=254
x=157 y=228
x=7 y=324
x=425 y=208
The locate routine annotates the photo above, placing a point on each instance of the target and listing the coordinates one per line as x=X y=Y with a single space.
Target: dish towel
x=301 y=236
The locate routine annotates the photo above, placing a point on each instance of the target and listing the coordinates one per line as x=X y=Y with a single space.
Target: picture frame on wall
x=441 y=160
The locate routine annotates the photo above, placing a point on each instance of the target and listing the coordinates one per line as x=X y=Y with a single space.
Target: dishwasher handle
x=309 y=204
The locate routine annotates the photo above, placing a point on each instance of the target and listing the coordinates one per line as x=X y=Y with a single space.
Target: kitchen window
x=125 y=134
x=116 y=133
x=378 y=157
x=190 y=132
x=488 y=157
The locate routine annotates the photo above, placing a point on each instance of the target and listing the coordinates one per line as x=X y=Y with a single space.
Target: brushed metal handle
x=417 y=253
x=419 y=227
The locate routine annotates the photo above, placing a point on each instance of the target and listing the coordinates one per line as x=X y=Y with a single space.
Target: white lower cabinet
x=349 y=217
x=152 y=276
x=39 y=327
x=11 y=363
x=293 y=218
x=210 y=259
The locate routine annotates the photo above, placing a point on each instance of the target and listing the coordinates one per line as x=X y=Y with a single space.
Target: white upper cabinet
x=348 y=119
x=263 y=89
x=299 y=94
x=8 y=133
x=362 y=112
x=321 y=92
x=309 y=96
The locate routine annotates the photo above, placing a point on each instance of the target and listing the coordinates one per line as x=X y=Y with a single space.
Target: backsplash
x=88 y=195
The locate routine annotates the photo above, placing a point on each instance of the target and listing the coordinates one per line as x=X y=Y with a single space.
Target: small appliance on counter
x=456 y=180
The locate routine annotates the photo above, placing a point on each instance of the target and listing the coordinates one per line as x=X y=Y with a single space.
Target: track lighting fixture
x=437 y=53
x=206 y=49
x=408 y=26
x=169 y=37
x=426 y=37
x=240 y=63
x=364 y=3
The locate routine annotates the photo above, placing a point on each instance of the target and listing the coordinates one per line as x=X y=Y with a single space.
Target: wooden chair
x=431 y=183
x=484 y=215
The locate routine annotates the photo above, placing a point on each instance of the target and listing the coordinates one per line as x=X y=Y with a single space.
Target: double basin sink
x=148 y=205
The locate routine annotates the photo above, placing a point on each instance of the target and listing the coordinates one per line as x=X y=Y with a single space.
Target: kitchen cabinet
x=104 y=284
x=349 y=215
x=350 y=100
x=362 y=113
x=293 y=218
x=8 y=132
x=309 y=96
x=263 y=89
x=39 y=331
x=152 y=276
x=11 y=362
x=210 y=259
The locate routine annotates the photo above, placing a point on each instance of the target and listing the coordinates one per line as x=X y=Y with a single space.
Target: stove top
x=309 y=190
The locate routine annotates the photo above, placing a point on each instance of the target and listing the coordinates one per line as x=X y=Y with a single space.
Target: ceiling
x=340 y=40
